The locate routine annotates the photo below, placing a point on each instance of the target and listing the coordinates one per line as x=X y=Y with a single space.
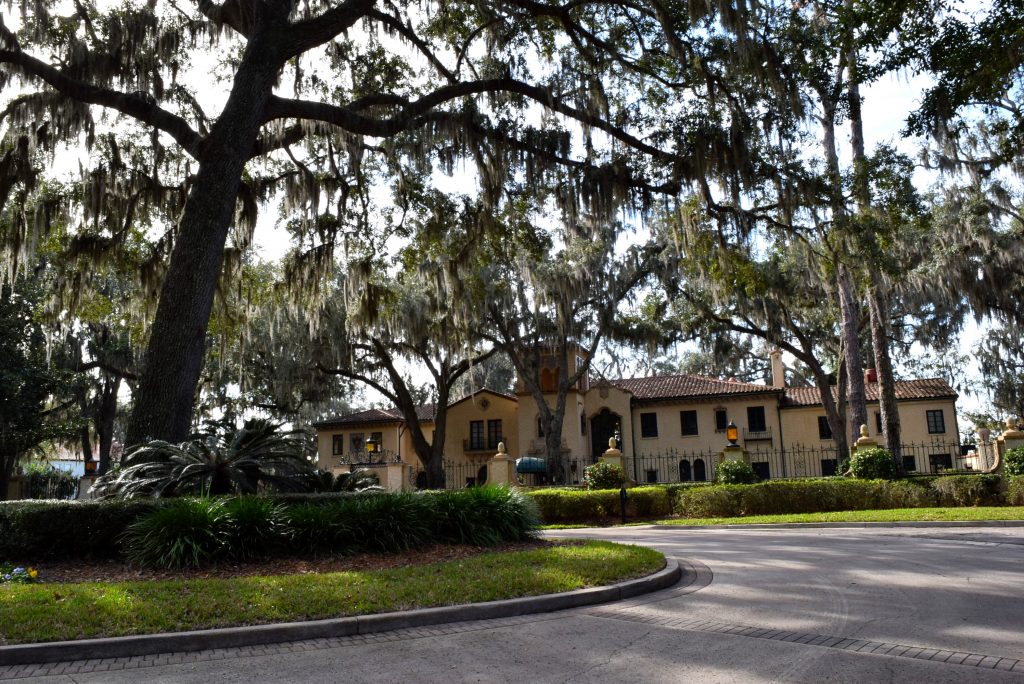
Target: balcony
x=479 y=445
x=757 y=435
x=363 y=457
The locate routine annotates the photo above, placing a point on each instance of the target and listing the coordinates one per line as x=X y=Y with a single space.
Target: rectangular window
x=688 y=422
x=721 y=420
x=648 y=424
x=828 y=467
x=878 y=422
x=762 y=470
x=939 y=462
x=356 y=442
x=936 y=422
x=540 y=426
x=583 y=424
x=494 y=434
x=909 y=464
x=378 y=437
x=824 y=429
x=755 y=419
x=338 y=444
x=476 y=434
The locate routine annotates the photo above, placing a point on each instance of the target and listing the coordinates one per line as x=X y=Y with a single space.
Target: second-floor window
x=936 y=422
x=688 y=422
x=356 y=442
x=338 y=444
x=476 y=434
x=721 y=420
x=878 y=422
x=824 y=429
x=755 y=419
x=493 y=433
x=648 y=424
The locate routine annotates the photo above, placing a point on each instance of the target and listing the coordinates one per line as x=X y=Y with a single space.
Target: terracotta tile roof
x=682 y=386
x=424 y=412
x=906 y=390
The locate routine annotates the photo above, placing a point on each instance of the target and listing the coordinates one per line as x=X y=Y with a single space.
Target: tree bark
x=177 y=342
x=105 y=420
x=856 y=395
x=6 y=467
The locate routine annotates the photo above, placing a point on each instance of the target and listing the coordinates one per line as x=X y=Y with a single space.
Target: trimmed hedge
x=257 y=526
x=700 y=500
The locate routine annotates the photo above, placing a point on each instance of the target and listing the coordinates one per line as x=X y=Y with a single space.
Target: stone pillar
x=613 y=456
x=734 y=452
x=85 y=487
x=1010 y=438
x=501 y=469
x=865 y=442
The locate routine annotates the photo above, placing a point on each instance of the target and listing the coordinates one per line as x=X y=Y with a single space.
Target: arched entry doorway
x=684 y=471
x=603 y=426
x=700 y=472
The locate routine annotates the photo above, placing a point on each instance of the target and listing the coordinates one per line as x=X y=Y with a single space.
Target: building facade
x=669 y=428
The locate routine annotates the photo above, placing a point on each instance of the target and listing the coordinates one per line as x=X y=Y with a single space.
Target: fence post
x=501 y=468
x=612 y=456
x=1010 y=438
x=865 y=442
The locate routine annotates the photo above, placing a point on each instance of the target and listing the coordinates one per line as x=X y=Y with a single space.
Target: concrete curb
x=855 y=525
x=232 y=637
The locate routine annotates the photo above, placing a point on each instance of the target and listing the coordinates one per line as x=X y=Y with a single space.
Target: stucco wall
x=483 y=406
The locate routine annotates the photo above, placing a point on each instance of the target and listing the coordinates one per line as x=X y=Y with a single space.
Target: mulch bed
x=62 y=572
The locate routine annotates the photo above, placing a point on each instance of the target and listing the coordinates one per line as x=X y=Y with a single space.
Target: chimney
x=870 y=376
x=778 y=369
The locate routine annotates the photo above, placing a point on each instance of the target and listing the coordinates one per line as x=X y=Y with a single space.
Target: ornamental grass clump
x=187 y=533
x=603 y=476
x=484 y=516
x=872 y=464
x=258 y=527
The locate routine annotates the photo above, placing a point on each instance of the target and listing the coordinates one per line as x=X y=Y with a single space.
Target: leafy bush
x=484 y=516
x=912 y=492
x=320 y=527
x=47 y=482
x=1015 y=490
x=575 y=505
x=359 y=480
x=187 y=533
x=968 y=490
x=390 y=522
x=55 y=530
x=718 y=501
x=223 y=459
x=258 y=526
x=735 y=472
x=648 y=502
x=873 y=464
x=1013 y=461
x=603 y=475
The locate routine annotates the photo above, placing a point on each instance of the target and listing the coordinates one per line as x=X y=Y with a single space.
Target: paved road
x=846 y=605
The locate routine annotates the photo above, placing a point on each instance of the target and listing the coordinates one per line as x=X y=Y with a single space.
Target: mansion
x=670 y=428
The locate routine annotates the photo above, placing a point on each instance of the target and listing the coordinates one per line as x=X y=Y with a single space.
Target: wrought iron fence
x=802 y=461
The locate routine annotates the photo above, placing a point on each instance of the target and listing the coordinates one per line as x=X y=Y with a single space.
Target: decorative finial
x=501 y=447
x=611 y=443
x=863 y=430
x=1011 y=424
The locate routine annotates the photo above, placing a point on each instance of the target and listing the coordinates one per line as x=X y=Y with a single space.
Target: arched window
x=700 y=471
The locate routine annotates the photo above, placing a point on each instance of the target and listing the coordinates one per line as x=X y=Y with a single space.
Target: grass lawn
x=891 y=515
x=54 y=612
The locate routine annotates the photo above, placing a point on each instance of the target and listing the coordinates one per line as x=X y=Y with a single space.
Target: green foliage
x=968 y=490
x=735 y=472
x=67 y=529
x=1013 y=461
x=47 y=482
x=390 y=523
x=484 y=516
x=359 y=480
x=872 y=464
x=187 y=533
x=223 y=459
x=578 y=505
x=1015 y=490
x=258 y=527
x=603 y=475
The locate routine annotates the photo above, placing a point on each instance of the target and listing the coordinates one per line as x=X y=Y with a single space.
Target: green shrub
x=257 y=527
x=910 y=492
x=718 y=501
x=968 y=490
x=603 y=476
x=647 y=502
x=389 y=522
x=873 y=464
x=324 y=526
x=187 y=533
x=735 y=472
x=1013 y=461
x=484 y=516
x=60 y=530
x=1015 y=490
x=575 y=505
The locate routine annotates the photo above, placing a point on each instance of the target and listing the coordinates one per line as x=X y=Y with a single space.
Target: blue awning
x=531 y=464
